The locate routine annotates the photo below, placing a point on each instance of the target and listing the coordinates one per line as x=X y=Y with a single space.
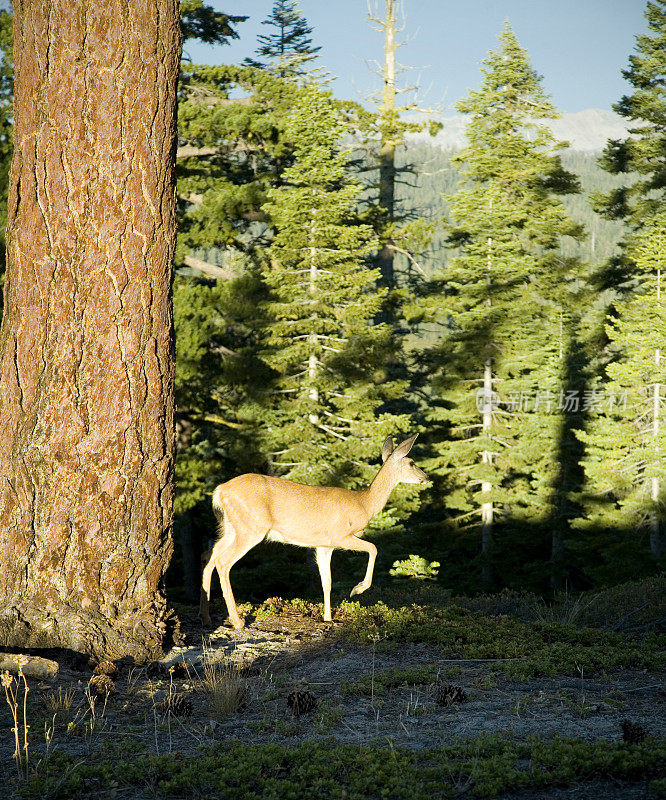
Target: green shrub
x=390 y=679
x=482 y=768
x=524 y=649
x=415 y=567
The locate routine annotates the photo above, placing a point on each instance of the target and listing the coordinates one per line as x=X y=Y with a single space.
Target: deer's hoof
x=358 y=589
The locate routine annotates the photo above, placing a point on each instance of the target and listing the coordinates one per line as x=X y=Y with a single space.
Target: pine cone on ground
x=106 y=668
x=301 y=702
x=156 y=669
x=632 y=732
x=179 y=670
x=177 y=705
x=101 y=686
x=447 y=695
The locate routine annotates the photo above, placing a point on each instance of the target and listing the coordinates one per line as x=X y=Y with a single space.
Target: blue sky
x=579 y=46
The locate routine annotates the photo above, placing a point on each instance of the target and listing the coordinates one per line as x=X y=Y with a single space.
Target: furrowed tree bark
x=86 y=344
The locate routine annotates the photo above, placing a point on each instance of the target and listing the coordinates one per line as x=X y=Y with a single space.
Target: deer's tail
x=218 y=508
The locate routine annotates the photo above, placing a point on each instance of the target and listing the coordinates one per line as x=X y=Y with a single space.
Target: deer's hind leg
x=204 y=597
x=242 y=533
x=208 y=560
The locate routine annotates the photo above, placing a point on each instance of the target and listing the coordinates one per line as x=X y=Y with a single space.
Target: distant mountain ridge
x=586 y=131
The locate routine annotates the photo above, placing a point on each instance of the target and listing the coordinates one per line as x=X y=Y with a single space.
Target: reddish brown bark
x=86 y=345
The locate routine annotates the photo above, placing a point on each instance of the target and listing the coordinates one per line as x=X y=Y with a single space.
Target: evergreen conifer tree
x=289 y=48
x=325 y=419
x=626 y=436
x=231 y=151
x=644 y=151
x=203 y=23
x=501 y=302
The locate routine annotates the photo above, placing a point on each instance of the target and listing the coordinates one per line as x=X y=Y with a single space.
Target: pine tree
x=502 y=297
x=643 y=153
x=620 y=498
x=228 y=155
x=626 y=437
x=231 y=152
x=325 y=419
x=289 y=49
x=87 y=403
x=203 y=23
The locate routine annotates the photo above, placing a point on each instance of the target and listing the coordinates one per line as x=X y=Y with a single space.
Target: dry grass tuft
x=60 y=701
x=224 y=683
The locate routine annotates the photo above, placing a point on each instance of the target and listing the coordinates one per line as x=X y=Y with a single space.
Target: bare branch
x=189 y=150
x=211 y=270
x=225 y=351
x=411 y=258
x=195 y=199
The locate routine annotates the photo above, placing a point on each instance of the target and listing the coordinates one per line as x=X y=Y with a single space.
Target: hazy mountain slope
x=586 y=131
x=421 y=190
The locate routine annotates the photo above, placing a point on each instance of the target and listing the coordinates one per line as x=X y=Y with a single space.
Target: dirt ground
x=280 y=655
x=290 y=654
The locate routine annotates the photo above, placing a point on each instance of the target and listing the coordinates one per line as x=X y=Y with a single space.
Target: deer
x=252 y=508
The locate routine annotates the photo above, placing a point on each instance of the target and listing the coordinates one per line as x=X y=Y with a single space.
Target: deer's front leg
x=360 y=545
x=323 y=556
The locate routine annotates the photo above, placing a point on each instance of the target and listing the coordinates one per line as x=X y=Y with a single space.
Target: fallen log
x=31 y=666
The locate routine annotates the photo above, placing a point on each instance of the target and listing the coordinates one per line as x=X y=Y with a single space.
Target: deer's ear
x=404 y=447
x=387 y=449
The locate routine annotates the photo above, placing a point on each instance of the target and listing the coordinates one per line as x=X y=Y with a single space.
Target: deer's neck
x=376 y=496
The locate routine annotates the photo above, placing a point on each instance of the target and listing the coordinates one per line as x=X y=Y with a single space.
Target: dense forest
x=337 y=281
x=213 y=270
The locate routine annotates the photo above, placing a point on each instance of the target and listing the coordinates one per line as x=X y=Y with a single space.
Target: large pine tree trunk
x=86 y=358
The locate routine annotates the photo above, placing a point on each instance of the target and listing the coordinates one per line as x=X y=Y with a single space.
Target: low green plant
x=415 y=567
x=632 y=606
x=390 y=679
x=522 y=649
x=456 y=630
x=277 y=607
x=579 y=703
x=327 y=717
x=484 y=767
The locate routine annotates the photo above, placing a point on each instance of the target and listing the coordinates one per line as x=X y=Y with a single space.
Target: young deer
x=251 y=508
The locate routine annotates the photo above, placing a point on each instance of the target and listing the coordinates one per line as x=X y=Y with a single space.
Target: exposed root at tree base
x=143 y=635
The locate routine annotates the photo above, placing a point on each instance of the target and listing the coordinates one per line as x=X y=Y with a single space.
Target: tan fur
x=253 y=507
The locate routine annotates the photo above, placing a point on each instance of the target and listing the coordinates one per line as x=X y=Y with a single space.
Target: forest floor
x=376 y=704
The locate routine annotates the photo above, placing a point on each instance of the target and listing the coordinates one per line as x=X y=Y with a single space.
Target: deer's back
x=289 y=507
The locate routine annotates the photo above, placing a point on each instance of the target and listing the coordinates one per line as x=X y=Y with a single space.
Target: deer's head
x=402 y=467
